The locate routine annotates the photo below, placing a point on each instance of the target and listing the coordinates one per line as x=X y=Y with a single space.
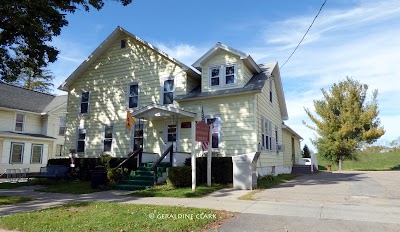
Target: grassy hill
x=371 y=161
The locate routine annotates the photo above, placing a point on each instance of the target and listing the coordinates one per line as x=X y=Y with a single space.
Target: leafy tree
x=42 y=83
x=346 y=120
x=306 y=152
x=27 y=27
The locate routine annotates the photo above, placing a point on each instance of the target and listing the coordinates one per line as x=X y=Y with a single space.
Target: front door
x=170 y=135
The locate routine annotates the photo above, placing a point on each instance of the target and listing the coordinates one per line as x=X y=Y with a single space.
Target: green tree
x=27 y=27
x=306 y=152
x=345 y=120
x=38 y=82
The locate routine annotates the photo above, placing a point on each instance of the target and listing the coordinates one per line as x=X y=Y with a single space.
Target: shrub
x=221 y=170
x=180 y=176
x=114 y=175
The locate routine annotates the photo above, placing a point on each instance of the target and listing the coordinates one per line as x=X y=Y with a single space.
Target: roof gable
x=107 y=43
x=247 y=59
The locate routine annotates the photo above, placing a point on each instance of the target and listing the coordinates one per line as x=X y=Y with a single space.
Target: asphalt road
x=339 y=201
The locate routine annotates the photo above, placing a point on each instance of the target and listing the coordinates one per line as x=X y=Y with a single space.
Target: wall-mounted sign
x=186 y=125
x=202 y=130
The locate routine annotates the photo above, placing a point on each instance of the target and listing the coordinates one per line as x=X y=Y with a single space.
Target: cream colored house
x=244 y=102
x=32 y=127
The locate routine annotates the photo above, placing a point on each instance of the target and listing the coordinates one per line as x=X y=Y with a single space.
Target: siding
x=270 y=111
x=107 y=80
x=32 y=123
x=53 y=126
x=220 y=58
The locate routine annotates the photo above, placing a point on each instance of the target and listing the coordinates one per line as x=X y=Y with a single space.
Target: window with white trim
x=266 y=134
x=19 y=122
x=133 y=96
x=61 y=130
x=17 y=151
x=270 y=89
x=222 y=75
x=168 y=92
x=84 y=103
x=59 y=150
x=36 y=153
x=276 y=138
x=216 y=131
x=108 y=138
x=81 y=143
x=138 y=135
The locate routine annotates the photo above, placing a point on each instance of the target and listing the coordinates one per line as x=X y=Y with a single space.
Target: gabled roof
x=254 y=85
x=14 y=97
x=155 y=110
x=107 y=43
x=286 y=127
x=248 y=61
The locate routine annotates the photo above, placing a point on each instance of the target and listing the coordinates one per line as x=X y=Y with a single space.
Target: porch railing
x=131 y=155
x=170 y=151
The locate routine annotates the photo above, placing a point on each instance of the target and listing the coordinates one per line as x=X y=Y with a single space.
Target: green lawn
x=71 y=187
x=166 y=190
x=102 y=216
x=9 y=200
x=266 y=182
x=373 y=161
x=5 y=185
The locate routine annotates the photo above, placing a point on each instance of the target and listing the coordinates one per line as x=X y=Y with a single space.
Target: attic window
x=123 y=43
x=222 y=75
x=270 y=89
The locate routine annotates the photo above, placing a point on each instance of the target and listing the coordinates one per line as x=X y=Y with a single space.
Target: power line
x=320 y=9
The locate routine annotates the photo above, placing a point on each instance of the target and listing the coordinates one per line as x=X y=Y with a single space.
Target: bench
x=53 y=172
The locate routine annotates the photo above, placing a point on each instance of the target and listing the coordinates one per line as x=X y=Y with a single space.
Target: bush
x=180 y=176
x=221 y=170
x=114 y=174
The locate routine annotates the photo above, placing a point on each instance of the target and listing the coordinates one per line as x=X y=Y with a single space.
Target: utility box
x=244 y=171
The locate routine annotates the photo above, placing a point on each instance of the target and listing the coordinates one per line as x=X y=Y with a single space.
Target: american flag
x=204 y=145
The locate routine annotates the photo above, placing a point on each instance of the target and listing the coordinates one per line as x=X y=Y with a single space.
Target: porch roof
x=161 y=111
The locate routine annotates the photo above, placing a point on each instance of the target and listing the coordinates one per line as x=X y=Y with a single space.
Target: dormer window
x=222 y=75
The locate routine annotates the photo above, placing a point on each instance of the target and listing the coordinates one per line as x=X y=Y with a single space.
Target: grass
x=71 y=187
x=372 y=161
x=103 y=216
x=5 y=185
x=9 y=200
x=266 y=182
x=167 y=190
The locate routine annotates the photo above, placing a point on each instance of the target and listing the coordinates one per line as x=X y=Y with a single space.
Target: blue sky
x=358 y=38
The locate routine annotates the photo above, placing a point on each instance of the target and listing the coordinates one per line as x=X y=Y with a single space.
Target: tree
x=41 y=83
x=27 y=27
x=346 y=120
x=306 y=152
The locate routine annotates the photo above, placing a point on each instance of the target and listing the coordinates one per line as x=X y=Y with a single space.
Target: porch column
x=193 y=160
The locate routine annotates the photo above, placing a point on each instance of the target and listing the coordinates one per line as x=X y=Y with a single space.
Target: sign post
x=193 y=161
x=203 y=135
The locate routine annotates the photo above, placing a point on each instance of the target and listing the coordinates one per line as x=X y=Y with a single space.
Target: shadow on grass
x=395 y=168
x=167 y=190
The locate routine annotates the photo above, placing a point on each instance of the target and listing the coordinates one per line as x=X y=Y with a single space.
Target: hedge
x=221 y=169
x=83 y=166
x=180 y=176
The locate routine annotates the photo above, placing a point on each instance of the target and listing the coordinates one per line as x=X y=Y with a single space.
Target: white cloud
x=185 y=53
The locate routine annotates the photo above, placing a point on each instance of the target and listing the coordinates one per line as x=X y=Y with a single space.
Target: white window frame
x=173 y=90
x=41 y=153
x=22 y=152
x=128 y=95
x=61 y=154
x=61 y=126
x=222 y=75
x=266 y=134
x=23 y=122
x=77 y=140
x=112 y=138
x=133 y=133
x=276 y=138
x=218 y=117
x=80 y=102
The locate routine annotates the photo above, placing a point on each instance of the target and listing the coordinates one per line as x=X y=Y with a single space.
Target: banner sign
x=202 y=131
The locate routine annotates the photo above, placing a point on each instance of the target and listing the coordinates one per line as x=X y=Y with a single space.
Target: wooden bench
x=52 y=172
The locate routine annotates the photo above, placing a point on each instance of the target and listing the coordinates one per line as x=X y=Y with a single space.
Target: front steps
x=142 y=178
x=301 y=169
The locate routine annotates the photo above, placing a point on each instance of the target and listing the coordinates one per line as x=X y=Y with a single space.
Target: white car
x=307 y=161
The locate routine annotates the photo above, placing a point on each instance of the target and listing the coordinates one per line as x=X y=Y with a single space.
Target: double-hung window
x=61 y=130
x=108 y=138
x=37 y=153
x=266 y=134
x=59 y=150
x=81 y=140
x=216 y=131
x=133 y=96
x=84 y=103
x=17 y=151
x=168 y=92
x=222 y=75
x=19 y=122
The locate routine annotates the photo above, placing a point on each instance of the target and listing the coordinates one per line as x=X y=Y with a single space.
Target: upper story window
x=133 y=96
x=222 y=75
x=61 y=130
x=123 y=43
x=81 y=144
x=168 y=93
x=84 y=106
x=270 y=89
x=19 y=122
x=108 y=138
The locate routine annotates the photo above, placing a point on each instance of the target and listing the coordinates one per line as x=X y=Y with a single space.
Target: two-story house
x=32 y=127
x=243 y=100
